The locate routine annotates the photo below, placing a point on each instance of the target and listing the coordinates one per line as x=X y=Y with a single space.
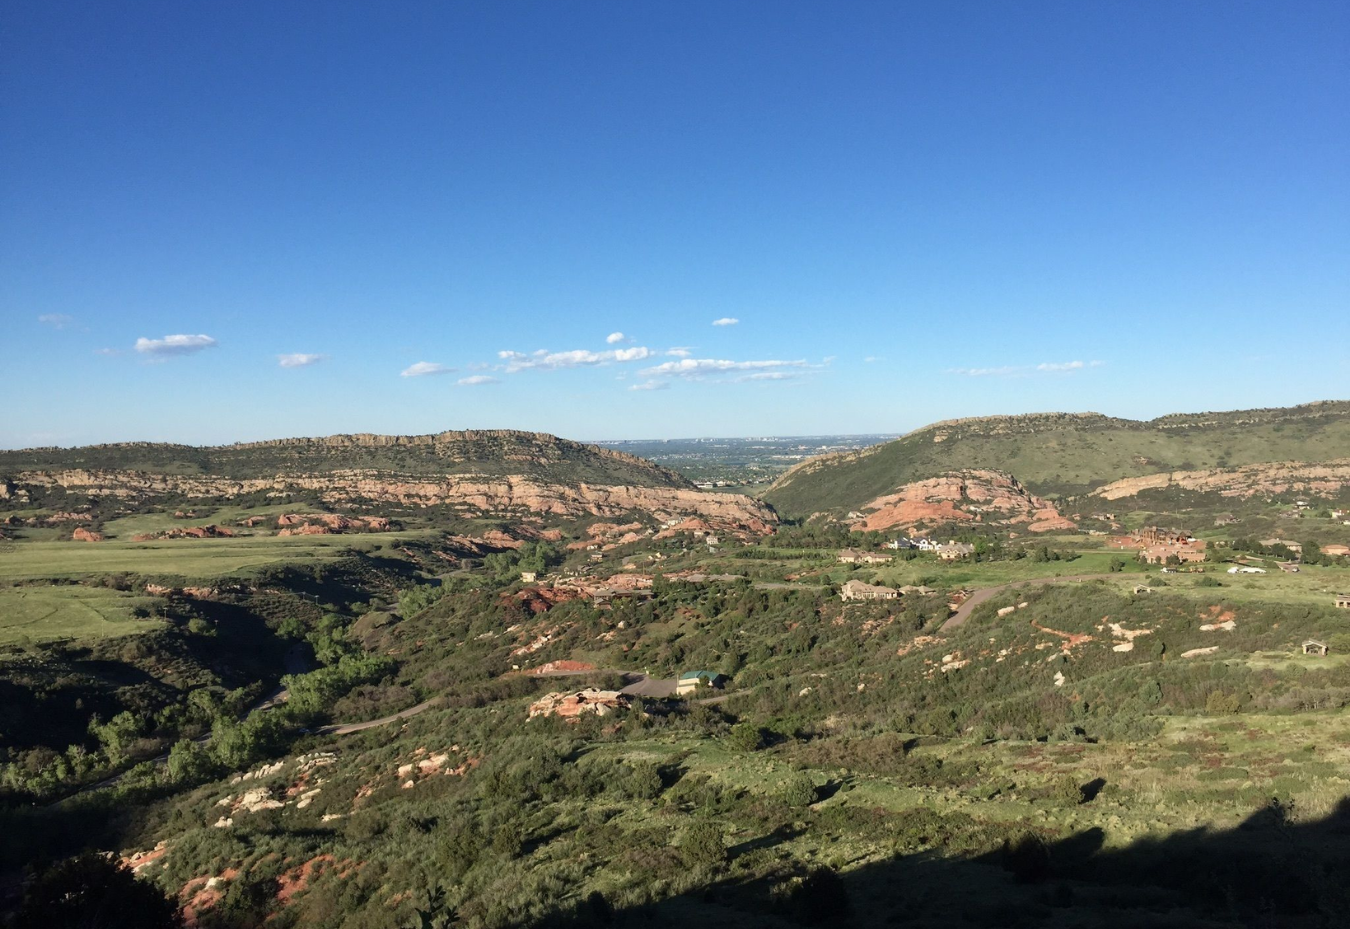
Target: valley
x=1049 y=670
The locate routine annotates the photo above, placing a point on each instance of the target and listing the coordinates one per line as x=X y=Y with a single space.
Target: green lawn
x=39 y=614
x=185 y=558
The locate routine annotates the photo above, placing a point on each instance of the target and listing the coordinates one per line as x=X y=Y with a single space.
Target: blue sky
x=911 y=211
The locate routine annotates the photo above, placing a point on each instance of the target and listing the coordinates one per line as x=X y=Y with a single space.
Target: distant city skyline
x=637 y=222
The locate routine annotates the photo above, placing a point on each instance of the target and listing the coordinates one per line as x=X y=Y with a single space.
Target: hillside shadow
x=1268 y=872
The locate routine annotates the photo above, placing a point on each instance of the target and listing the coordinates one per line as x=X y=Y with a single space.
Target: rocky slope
x=1067 y=453
x=990 y=497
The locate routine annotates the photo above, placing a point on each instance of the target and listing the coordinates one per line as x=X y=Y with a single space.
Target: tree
x=95 y=892
x=189 y=762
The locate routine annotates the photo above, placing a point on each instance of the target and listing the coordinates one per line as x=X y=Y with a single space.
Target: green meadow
x=189 y=559
x=39 y=614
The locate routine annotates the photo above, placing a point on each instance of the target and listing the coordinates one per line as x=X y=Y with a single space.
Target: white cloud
x=870 y=359
x=579 y=358
x=678 y=352
x=476 y=379
x=300 y=360
x=726 y=321
x=174 y=344
x=423 y=368
x=614 y=338
x=702 y=367
x=56 y=320
x=1061 y=366
x=650 y=385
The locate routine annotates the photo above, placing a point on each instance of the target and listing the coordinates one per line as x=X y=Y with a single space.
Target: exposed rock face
x=189 y=532
x=510 y=495
x=1327 y=478
x=962 y=496
x=571 y=704
x=82 y=534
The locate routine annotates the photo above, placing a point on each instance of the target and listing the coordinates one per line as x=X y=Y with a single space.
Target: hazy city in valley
x=752 y=464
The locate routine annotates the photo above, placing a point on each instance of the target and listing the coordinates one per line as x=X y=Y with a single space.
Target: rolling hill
x=1067 y=453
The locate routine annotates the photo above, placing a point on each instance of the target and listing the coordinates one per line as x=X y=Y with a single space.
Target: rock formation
x=1326 y=479
x=962 y=496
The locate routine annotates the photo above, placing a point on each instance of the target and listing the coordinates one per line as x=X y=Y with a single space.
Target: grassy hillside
x=1067 y=453
x=478 y=452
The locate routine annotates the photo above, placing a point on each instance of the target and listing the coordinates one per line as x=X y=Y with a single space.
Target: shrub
x=704 y=845
x=745 y=737
x=800 y=791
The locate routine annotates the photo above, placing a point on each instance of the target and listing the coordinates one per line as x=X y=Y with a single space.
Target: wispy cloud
x=703 y=367
x=424 y=368
x=726 y=321
x=174 y=345
x=987 y=372
x=299 y=360
x=870 y=359
x=614 y=338
x=769 y=376
x=107 y=352
x=1045 y=367
x=1068 y=365
x=650 y=385
x=56 y=320
x=476 y=379
x=678 y=352
x=579 y=358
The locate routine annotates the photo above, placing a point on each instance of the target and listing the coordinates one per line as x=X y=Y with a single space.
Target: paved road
x=346 y=728
x=980 y=596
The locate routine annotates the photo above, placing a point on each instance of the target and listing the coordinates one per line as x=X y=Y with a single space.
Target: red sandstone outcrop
x=963 y=496
x=539 y=600
x=475 y=495
x=571 y=704
x=187 y=532
x=82 y=534
x=1324 y=479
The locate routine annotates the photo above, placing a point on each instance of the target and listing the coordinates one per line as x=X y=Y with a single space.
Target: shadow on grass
x=1268 y=872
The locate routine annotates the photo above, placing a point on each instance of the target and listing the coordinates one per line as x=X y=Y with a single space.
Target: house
x=1292 y=546
x=1152 y=535
x=1339 y=514
x=1225 y=519
x=952 y=551
x=690 y=681
x=1336 y=550
x=528 y=577
x=1186 y=554
x=857 y=590
x=926 y=545
x=854 y=556
x=1245 y=569
x=1288 y=567
x=1314 y=647
x=1141 y=589
x=919 y=589
x=901 y=545
x=1343 y=601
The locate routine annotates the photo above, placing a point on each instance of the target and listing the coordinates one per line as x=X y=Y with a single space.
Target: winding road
x=980 y=596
